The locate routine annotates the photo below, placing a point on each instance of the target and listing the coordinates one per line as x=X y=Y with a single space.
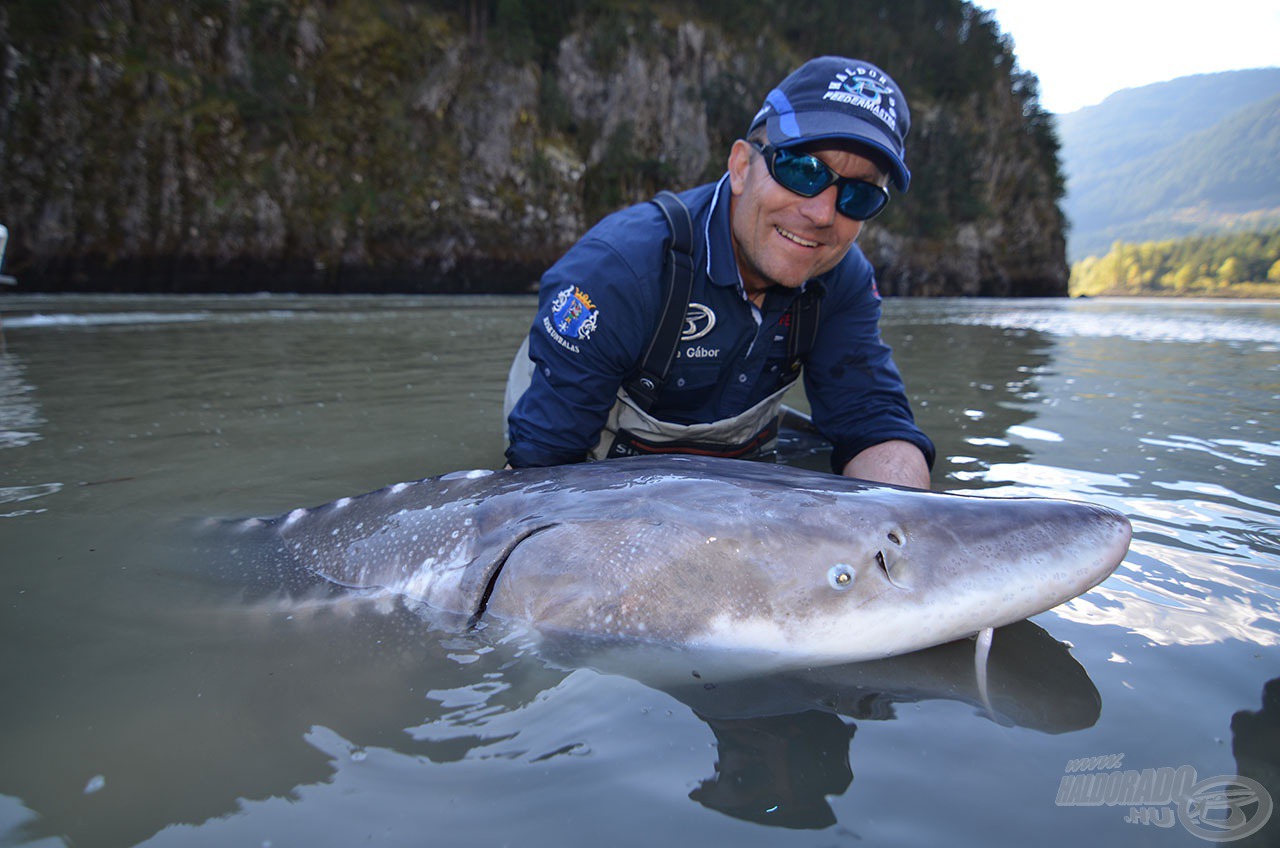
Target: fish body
x=791 y=566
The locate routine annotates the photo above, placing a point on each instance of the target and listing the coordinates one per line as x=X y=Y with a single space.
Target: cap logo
x=865 y=89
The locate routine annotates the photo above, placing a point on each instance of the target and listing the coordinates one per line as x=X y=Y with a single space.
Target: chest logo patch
x=698 y=321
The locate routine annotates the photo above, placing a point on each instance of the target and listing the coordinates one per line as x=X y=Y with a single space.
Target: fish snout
x=1117 y=532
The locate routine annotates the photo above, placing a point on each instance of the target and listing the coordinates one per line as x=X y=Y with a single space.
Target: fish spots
x=475 y=474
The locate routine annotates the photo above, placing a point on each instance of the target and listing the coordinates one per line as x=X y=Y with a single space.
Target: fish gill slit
x=492 y=583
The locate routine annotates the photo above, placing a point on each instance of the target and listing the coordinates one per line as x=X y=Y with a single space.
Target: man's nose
x=821 y=208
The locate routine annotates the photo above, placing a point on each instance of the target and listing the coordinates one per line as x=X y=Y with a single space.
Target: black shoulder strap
x=805 y=310
x=678 y=278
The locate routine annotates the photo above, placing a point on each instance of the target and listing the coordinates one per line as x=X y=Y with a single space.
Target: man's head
x=828 y=138
x=836 y=99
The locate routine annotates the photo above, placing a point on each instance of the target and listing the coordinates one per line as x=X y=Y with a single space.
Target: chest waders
x=630 y=430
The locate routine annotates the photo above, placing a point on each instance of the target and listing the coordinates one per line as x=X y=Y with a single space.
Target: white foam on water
x=1169 y=326
x=100 y=319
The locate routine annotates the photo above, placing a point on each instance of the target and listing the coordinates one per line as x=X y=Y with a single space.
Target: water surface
x=144 y=702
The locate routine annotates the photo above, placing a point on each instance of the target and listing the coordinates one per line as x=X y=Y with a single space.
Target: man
x=772 y=247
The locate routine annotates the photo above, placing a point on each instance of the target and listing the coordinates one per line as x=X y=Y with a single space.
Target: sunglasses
x=809 y=176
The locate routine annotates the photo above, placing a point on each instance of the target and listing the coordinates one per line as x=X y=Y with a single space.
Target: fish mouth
x=886 y=570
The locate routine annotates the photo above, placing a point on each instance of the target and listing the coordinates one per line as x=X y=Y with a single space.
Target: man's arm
x=592 y=321
x=898 y=462
x=855 y=390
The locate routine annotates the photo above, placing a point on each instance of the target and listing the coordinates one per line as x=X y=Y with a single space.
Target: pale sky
x=1084 y=50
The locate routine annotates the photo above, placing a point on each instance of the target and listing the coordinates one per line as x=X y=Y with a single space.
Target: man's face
x=781 y=238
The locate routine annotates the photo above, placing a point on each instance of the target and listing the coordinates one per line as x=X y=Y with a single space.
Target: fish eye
x=840 y=576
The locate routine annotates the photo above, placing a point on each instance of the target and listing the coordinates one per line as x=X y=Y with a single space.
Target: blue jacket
x=599 y=306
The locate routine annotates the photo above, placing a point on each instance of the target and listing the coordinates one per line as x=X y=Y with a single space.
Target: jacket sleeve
x=854 y=387
x=593 y=317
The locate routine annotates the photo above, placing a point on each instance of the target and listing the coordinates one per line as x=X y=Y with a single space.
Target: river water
x=144 y=702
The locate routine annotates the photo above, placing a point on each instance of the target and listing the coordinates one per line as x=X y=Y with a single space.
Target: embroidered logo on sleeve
x=573 y=316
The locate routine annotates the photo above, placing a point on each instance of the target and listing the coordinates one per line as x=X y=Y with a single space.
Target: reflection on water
x=19 y=415
x=1132 y=320
x=1169 y=413
x=1255 y=744
x=144 y=704
x=336 y=685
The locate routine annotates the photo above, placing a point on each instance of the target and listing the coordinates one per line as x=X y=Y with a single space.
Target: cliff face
x=241 y=145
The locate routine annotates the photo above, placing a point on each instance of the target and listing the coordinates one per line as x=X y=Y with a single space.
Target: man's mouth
x=790 y=236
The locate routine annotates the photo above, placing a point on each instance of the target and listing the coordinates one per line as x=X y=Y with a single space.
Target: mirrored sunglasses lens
x=802 y=174
x=860 y=201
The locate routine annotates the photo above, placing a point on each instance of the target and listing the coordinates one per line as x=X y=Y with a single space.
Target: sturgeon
x=787 y=566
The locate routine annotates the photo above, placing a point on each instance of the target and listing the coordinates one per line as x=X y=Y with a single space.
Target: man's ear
x=739 y=163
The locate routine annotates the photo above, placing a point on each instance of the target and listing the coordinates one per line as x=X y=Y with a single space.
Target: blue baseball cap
x=832 y=97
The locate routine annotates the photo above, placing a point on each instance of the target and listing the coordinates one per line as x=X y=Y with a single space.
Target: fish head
x=885 y=571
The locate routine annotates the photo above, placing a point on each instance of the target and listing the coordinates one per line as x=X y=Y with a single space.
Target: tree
x=1230 y=271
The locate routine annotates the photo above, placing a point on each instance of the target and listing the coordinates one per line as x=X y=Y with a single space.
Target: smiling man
x=678 y=325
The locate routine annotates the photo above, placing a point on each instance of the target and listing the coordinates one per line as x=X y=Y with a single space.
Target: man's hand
x=897 y=462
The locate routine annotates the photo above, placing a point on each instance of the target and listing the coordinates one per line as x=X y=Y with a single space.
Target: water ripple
x=20 y=418
x=1202 y=569
x=1079 y=321
x=18 y=494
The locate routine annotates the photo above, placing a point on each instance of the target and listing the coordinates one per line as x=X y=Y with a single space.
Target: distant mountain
x=1193 y=155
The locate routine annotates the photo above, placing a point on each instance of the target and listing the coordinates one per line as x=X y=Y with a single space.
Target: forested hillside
x=424 y=145
x=1240 y=265
x=1194 y=155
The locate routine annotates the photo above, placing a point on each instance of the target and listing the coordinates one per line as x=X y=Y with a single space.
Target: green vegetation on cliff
x=1241 y=265
x=423 y=145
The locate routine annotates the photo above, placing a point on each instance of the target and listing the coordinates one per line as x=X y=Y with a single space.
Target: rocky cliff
x=369 y=145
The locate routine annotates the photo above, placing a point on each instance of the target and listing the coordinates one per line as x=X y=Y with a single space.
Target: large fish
x=786 y=566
